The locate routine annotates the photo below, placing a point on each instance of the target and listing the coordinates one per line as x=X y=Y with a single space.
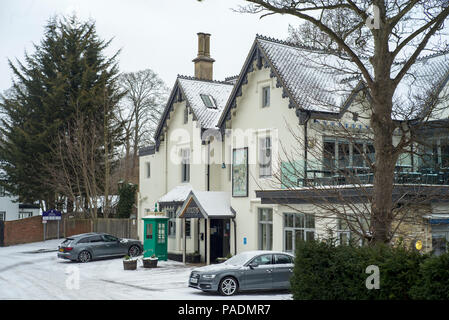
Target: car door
x=98 y=246
x=260 y=275
x=113 y=247
x=282 y=271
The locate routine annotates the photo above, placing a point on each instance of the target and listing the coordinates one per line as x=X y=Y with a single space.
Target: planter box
x=150 y=263
x=130 y=264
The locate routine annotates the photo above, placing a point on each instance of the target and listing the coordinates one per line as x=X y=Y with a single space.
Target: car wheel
x=228 y=286
x=134 y=251
x=84 y=256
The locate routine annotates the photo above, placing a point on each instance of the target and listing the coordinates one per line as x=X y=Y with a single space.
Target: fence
x=31 y=229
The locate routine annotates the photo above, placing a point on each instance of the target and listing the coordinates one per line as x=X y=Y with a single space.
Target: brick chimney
x=203 y=62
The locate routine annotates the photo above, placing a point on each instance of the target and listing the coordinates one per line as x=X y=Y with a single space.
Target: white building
x=11 y=209
x=221 y=193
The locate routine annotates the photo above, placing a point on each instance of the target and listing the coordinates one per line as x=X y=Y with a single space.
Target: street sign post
x=50 y=215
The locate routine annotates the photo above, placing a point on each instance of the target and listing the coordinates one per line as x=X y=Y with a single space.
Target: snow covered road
x=33 y=271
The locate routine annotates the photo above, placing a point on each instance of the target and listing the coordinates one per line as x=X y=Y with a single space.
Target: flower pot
x=150 y=263
x=130 y=264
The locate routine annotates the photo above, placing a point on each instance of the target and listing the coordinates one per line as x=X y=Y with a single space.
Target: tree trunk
x=385 y=162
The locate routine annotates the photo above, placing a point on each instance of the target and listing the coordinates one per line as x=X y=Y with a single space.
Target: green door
x=155 y=237
x=161 y=241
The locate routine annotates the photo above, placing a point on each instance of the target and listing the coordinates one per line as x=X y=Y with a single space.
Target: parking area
x=33 y=271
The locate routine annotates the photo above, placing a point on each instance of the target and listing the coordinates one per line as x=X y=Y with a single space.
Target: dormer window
x=208 y=101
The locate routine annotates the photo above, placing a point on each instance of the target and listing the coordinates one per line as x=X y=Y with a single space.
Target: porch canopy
x=175 y=196
x=207 y=205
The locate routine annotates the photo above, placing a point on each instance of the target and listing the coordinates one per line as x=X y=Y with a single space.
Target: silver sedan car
x=250 y=270
x=89 y=246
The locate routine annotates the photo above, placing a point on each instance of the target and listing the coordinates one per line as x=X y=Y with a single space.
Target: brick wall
x=23 y=231
x=32 y=229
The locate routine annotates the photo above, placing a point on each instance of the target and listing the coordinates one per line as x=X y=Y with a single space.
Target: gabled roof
x=212 y=204
x=191 y=89
x=329 y=89
x=308 y=88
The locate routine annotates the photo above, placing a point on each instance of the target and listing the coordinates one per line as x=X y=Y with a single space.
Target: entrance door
x=219 y=238
x=161 y=241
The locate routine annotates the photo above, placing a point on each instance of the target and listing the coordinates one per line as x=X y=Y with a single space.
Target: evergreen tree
x=67 y=74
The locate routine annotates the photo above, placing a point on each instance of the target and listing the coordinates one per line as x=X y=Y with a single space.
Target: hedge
x=326 y=271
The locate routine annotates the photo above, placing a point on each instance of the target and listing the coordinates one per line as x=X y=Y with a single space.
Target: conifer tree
x=68 y=73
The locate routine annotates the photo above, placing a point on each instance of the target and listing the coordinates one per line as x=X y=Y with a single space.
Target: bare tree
x=80 y=170
x=379 y=50
x=140 y=113
x=337 y=179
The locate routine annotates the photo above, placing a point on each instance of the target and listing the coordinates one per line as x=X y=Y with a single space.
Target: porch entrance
x=219 y=238
x=213 y=208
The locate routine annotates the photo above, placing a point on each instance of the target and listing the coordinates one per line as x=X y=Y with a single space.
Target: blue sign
x=244 y=240
x=52 y=214
x=439 y=221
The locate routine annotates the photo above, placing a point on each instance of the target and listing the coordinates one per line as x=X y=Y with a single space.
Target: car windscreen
x=240 y=259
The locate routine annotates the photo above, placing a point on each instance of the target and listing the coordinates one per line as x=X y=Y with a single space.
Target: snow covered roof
x=193 y=89
x=210 y=203
x=311 y=86
x=427 y=75
x=177 y=194
x=320 y=82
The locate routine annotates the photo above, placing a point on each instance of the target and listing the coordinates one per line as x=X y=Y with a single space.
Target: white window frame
x=26 y=214
x=208 y=101
x=148 y=167
x=269 y=225
x=266 y=96
x=295 y=228
x=171 y=224
x=265 y=161
x=186 y=115
x=185 y=165
x=2 y=215
x=342 y=231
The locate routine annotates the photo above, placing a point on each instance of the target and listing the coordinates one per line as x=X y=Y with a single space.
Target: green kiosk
x=155 y=235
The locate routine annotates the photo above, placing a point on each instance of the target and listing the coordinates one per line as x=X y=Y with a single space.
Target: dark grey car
x=89 y=246
x=250 y=270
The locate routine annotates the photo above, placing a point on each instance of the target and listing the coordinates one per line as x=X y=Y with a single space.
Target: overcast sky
x=156 y=34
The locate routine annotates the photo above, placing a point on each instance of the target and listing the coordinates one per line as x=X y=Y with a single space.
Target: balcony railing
x=363 y=175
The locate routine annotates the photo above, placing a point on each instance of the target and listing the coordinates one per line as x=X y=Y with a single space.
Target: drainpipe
x=235 y=236
x=208 y=166
x=166 y=161
x=306 y=121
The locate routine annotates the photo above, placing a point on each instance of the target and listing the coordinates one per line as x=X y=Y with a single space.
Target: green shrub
x=433 y=280
x=127 y=199
x=326 y=271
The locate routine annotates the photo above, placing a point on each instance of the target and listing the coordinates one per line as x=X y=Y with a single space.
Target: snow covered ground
x=33 y=271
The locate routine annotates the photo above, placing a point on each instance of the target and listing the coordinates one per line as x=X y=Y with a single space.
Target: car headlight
x=208 y=276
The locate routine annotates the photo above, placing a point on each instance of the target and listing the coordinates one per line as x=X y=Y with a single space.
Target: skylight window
x=209 y=101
